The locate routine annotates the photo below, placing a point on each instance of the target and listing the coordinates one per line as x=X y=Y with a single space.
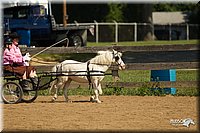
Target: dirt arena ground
x=116 y=113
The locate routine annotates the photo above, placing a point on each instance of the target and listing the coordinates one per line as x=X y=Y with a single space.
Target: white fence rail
x=118 y=32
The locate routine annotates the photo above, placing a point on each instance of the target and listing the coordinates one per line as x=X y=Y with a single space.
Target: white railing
x=173 y=31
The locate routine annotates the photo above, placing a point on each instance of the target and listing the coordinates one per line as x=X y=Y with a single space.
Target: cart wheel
x=29 y=95
x=11 y=93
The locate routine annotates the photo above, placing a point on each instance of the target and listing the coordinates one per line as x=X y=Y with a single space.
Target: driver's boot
x=24 y=83
x=34 y=80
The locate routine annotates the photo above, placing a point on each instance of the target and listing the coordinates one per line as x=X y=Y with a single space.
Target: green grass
x=138 y=76
x=187 y=75
x=130 y=76
x=82 y=57
x=139 y=91
x=188 y=92
x=143 y=43
x=144 y=75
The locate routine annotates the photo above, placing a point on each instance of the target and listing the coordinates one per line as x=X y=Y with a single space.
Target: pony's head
x=118 y=60
x=109 y=57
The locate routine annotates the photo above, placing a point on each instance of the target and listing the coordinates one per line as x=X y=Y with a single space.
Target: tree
x=168 y=7
x=81 y=12
x=115 y=13
x=140 y=13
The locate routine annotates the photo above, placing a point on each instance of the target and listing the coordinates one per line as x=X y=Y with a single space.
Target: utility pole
x=64 y=13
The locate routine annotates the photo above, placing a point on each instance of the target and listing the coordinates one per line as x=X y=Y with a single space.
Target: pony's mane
x=103 y=57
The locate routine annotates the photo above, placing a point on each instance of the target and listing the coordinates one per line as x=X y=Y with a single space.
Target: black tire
x=11 y=93
x=29 y=95
x=76 y=41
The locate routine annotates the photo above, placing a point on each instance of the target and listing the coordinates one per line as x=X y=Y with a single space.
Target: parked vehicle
x=37 y=27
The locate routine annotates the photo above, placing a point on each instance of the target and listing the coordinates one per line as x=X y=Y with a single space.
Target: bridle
x=116 y=58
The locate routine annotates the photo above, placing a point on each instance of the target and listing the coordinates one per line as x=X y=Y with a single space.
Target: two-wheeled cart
x=12 y=91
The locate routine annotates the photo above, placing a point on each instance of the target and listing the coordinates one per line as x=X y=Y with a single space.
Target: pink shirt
x=17 y=53
x=8 y=56
x=12 y=55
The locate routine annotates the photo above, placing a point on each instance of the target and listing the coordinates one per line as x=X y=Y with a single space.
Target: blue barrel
x=170 y=90
x=165 y=75
x=25 y=37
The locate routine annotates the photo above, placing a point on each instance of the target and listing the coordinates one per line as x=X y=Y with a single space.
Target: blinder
x=116 y=58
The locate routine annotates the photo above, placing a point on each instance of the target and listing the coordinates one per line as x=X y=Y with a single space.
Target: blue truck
x=37 y=27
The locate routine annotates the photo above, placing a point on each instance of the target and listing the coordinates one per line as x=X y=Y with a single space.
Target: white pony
x=91 y=71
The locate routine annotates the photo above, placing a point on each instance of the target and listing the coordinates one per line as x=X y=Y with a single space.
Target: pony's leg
x=95 y=98
x=53 y=88
x=99 y=89
x=67 y=83
x=56 y=87
x=55 y=96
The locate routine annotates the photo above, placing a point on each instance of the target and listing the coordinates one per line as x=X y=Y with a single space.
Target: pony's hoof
x=95 y=101
x=69 y=101
x=98 y=101
x=91 y=98
x=53 y=99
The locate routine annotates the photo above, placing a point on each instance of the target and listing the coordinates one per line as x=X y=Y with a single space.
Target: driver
x=13 y=62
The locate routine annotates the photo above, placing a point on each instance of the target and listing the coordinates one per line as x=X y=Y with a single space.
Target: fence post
x=187 y=32
x=170 y=32
x=116 y=31
x=97 y=31
x=135 y=32
x=152 y=31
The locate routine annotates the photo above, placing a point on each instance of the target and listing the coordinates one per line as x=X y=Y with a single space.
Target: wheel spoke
x=11 y=92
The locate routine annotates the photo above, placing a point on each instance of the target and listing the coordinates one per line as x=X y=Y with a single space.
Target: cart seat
x=8 y=73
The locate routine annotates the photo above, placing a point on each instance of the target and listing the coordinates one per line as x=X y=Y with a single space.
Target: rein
x=100 y=64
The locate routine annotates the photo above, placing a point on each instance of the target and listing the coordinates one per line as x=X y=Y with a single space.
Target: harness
x=88 y=74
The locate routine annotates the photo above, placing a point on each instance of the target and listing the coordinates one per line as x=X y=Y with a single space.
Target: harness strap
x=88 y=74
x=58 y=69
